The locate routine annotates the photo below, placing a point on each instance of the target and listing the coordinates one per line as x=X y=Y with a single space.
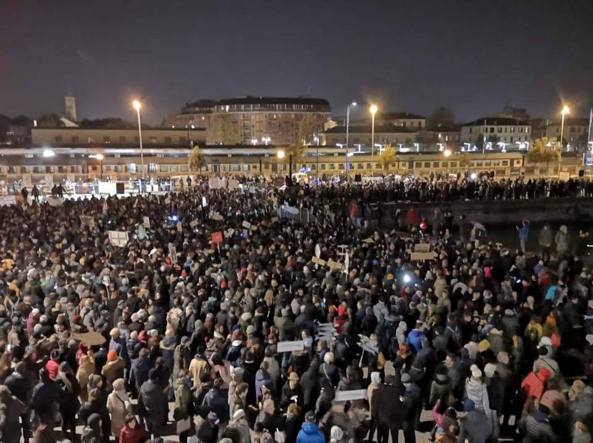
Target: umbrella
x=91 y=338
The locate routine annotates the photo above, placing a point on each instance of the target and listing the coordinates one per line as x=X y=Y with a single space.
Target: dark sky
x=474 y=56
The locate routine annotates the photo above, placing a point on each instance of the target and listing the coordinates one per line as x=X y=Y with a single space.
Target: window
x=332 y=166
x=152 y=139
x=478 y=164
x=75 y=139
x=426 y=165
x=341 y=166
x=151 y=167
x=505 y=162
x=168 y=140
x=164 y=168
x=183 y=168
x=58 y=139
x=106 y=139
x=492 y=130
x=369 y=166
x=48 y=169
x=417 y=164
x=435 y=164
x=122 y=139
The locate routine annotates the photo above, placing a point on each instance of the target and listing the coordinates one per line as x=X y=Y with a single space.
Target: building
x=106 y=137
x=440 y=134
x=402 y=119
x=193 y=115
x=267 y=120
x=361 y=135
x=255 y=120
x=494 y=130
x=575 y=131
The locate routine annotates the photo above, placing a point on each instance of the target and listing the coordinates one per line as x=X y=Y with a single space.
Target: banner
x=118 y=238
x=290 y=346
x=355 y=394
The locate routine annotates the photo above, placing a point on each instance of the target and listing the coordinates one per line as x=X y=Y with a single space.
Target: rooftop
x=366 y=129
x=496 y=121
x=399 y=116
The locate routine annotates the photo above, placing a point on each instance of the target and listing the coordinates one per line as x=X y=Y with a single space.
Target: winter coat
x=216 y=401
x=196 y=367
x=118 y=407
x=113 y=370
x=440 y=388
x=10 y=413
x=310 y=433
x=561 y=240
x=537 y=429
x=414 y=340
x=154 y=401
x=477 y=392
x=475 y=427
x=139 y=372
x=136 y=435
x=387 y=406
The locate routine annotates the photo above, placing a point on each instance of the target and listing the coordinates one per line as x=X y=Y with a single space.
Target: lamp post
x=373 y=110
x=565 y=110
x=137 y=105
x=100 y=157
x=447 y=153
x=351 y=105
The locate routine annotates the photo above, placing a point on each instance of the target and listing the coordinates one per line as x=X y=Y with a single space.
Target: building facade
x=575 y=131
x=401 y=119
x=493 y=130
x=86 y=137
x=362 y=135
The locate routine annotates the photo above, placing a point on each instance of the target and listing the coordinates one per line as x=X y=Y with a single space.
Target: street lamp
x=137 y=105
x=565 y=110
x=100 y=157
x=351 y=105
x=447 y=153
x=373 y=110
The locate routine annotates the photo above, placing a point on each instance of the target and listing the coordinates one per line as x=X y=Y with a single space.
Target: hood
x=310 y=428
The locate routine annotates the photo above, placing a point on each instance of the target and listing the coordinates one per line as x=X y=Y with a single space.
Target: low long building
x=496 y=129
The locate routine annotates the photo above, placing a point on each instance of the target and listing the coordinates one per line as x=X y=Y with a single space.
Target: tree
x=294 y=154
x=480 y=142
x=387 y=157
x=543 y=151
x=196 y=160
x=49 y=121
x=441 y=117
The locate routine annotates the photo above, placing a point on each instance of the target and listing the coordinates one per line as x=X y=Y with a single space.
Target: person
x=562 y=241
x=114 y=368
x=545 y=241
x=536 y=427
x=69 y=401
x=184 y=405
x=387 y=402
x=208 y=431
x=132 y=431
x=119 y=407
x=11 y=409
x=523 y=233
x=411 y=406
x=153 y=403
x=35 y=193
x=92 y=431
x=475 y=426
x=310 y=432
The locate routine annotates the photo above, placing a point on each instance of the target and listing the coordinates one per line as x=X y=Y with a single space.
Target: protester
x=188 y=314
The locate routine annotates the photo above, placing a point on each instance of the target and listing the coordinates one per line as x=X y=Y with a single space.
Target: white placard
x=179 y=227
x=118 y=238
x=355 y=394
x=195 y=222
x=87 y=220
x=317 y=250
x=204 y=202
x=146 y=222
x=54 y=201
x=290 y=346
x=246 y=224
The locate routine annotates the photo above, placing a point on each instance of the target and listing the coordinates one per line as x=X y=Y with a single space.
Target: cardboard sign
x=421 y=256
x=325 y=331
x=146 y=222
x=334 y=265
x=369 y=241
x=274 y=219
x=173 y=252
x=246 y=224
x=217 y=238
x=355 y=394
x=141 y=232
x=179 y=227
x=422 y=247
x=217 y=217
x=204 y=202
x=229 y=232
x=319 y=261
x=290 y=346
x=118 y=238
x=54 y=201
x=317 y=250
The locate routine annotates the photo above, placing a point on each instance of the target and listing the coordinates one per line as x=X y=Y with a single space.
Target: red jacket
x=534 y=384
x=136 y=435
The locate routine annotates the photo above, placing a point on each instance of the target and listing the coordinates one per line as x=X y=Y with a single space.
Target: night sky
x=472 y=56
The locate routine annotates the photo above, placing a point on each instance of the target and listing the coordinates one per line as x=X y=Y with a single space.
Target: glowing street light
x=137 y=105
x=447 y=153
x=281 y=154
x=373 y=110
x=48 y=153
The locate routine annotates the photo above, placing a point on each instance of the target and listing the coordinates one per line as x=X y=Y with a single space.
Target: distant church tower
x=70 y=107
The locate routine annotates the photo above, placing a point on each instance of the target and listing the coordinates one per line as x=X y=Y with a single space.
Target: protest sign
x=421 y=256
x=146 y=222
x=118 y=238
x=217 y=238
x=355 y=394
x=422 y=247
x=290 y=346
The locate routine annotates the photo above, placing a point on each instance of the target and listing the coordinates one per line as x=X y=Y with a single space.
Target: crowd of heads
x=172 y=326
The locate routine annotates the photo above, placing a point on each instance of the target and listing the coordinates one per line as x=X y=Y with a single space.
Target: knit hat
x=476 y=372
x=545 y=341
x=111 y=355
x=484 y=345
x=52 y=367
x=589 y=338
x=490 y=370
x=468 y=405
x=503 y=357
x=336 y=434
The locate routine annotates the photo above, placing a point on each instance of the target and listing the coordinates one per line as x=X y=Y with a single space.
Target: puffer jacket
x=477 y=392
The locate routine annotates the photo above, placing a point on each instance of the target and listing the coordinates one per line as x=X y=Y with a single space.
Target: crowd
x=174 y=328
